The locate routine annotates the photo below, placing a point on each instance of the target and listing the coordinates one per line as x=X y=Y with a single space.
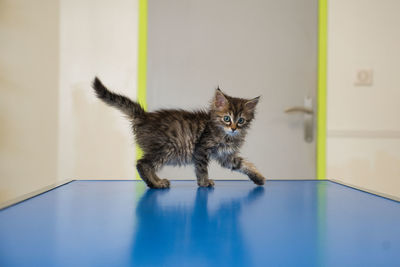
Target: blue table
x=122 y=223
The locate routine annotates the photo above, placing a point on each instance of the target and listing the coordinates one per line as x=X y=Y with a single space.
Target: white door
x=248 y=48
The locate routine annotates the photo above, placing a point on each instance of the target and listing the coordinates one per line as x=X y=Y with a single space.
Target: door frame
x=321 y=79
x=321 y=88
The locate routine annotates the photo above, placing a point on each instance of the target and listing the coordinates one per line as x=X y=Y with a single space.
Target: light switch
x=364 y=77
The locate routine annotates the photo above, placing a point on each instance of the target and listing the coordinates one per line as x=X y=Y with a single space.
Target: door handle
x=308 y=118
x=299 y=110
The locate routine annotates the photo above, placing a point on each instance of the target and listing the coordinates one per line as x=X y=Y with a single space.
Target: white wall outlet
x=364 y=77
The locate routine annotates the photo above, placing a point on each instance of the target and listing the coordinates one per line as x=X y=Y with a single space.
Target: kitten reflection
x=166 y=232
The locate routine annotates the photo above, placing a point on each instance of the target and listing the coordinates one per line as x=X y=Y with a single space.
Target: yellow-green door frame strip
x=321 y=126
x=321 y=92
x=142 y=54
x=142 y=64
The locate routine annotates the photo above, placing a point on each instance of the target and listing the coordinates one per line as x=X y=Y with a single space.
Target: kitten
x=179 y=137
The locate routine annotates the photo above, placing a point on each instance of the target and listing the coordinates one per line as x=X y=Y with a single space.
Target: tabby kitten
x=179 y=137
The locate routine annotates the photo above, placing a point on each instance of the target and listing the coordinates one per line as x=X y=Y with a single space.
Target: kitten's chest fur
x=224 y=146
x=217 y=144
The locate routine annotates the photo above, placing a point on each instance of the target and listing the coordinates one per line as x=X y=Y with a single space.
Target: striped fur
x=127 y=106
x=180 y=137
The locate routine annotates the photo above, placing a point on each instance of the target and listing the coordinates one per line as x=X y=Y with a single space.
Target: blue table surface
x=122 y=223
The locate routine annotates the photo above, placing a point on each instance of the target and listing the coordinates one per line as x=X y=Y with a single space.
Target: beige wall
x=363 y=146
x=29 y=70
x=96 y=38
x=52 y=126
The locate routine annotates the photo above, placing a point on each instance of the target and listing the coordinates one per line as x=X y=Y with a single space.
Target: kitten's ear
x=251 y=104
x=220 y=101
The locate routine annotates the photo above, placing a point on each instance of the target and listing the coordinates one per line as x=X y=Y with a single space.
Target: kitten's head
x=232 y=114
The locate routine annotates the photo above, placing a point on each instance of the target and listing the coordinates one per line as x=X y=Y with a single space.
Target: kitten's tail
x=128 y=107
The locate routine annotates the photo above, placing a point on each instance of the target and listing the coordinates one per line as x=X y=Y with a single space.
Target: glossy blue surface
x=122 y=223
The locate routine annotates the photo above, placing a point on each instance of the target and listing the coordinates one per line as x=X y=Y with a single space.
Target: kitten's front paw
x=206 y=183
x=257 y=178
x=163 y=183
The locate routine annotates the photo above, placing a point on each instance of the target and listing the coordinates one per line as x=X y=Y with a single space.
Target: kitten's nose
x=233 y=129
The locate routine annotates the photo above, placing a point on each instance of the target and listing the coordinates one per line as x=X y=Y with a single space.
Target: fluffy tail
x=128 y=107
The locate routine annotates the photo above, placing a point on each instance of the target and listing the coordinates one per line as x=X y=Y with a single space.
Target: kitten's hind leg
x=148 y=173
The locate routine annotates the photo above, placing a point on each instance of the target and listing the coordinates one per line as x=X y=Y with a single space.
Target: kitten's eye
x=241 y=121
x=227 y=118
